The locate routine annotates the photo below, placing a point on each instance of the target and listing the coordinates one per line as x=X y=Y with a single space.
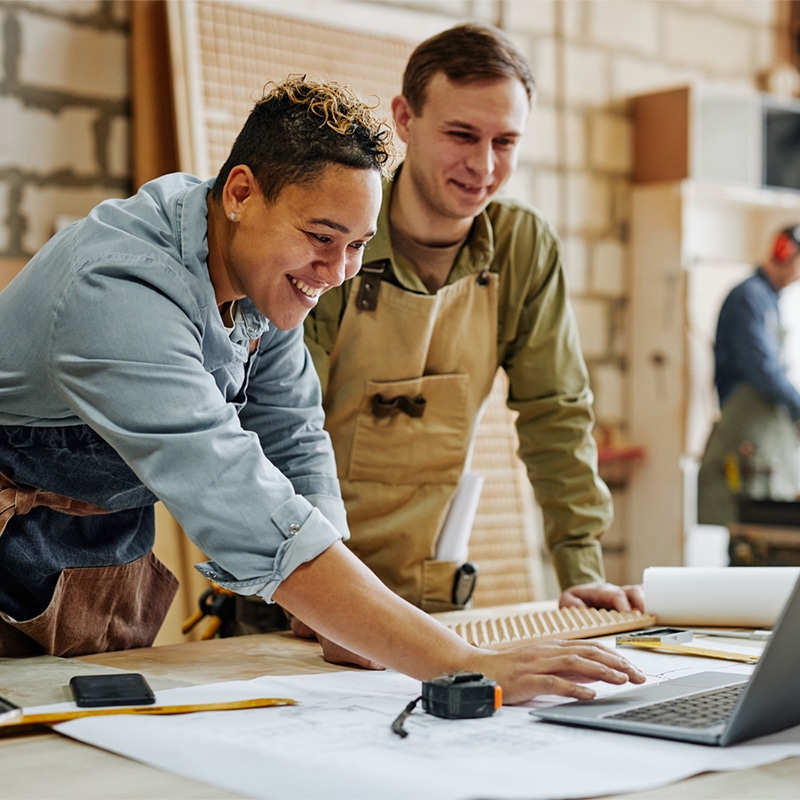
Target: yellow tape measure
x=689 y=650
x=19 y=717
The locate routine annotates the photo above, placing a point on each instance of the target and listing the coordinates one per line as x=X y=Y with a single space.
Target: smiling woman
x=282 y=255
x=132 y=411
x=297 y=199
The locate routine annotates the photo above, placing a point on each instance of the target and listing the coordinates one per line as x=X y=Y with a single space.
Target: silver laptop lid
x=769 y=703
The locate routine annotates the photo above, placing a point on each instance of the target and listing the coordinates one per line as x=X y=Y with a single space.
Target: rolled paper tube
x=746 y=597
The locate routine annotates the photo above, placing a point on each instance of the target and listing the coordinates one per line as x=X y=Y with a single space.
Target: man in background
x=456 y=284
x=753 y=448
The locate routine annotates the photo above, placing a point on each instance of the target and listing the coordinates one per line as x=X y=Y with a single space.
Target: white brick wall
x=4 y=212
x=608 y=390
x=632 y=75
x=627 y=25
x=81 y=8
x=119 y=148
x=3 y=72
x=64 y=103
x=610 y=143
x=592 y=317
x=543 y=57
x=588 y=203
x=758 y=12
x=547 y=194
x=521 y=185
x=608 y=268
x=586 y=76
x=62 y=141
x=540 y=140
x=574 y=145
x=66 y=57
x=574 y=253
x=570 y=12
x=536 y=16
x=704 y=40
x=42 y=208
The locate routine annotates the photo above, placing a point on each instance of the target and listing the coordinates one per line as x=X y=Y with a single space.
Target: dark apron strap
x=20 y=499
x=370 y=284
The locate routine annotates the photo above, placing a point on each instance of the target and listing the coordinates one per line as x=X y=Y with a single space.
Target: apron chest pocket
x=411 y=431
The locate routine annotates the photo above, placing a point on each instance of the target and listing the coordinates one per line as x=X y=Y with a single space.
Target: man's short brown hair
x=465 y=54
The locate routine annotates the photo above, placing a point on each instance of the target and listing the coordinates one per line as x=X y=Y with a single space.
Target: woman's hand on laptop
x=555 y=667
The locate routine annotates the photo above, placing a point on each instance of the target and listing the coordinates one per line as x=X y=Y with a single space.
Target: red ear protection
x=786 y=245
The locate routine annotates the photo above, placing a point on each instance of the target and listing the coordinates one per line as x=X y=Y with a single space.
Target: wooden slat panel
x=523 y=622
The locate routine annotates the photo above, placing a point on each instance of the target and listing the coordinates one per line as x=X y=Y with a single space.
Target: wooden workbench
x=48 y=765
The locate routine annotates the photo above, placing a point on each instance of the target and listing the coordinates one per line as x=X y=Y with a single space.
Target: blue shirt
x=114 y=324
x=748 y=344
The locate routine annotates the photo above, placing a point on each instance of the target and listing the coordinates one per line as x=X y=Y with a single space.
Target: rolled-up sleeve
x=256 y=493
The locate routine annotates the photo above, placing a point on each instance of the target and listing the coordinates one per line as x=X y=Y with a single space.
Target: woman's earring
x=232 y=216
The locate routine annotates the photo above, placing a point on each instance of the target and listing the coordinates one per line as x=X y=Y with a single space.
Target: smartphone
x=8 y=710
x=117 y=689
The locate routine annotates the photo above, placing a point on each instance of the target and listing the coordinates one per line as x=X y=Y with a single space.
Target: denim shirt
x=748 y=344
x=114 y=324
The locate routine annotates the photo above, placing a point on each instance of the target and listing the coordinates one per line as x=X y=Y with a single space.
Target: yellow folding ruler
x=17 y=717
x=690 y=650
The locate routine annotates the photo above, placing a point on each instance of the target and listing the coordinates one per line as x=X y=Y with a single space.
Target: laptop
x=692 y=708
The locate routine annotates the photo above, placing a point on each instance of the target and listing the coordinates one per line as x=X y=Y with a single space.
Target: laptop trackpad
x=674 y=687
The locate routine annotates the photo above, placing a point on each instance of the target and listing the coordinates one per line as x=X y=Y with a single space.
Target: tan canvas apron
x=768 y=428
x=93 y=609
x=402 y=432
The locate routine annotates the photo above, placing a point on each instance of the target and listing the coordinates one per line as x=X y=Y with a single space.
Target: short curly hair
x=298 y=127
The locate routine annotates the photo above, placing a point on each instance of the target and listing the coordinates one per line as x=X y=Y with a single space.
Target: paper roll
x=453 y=543
x=747 y=597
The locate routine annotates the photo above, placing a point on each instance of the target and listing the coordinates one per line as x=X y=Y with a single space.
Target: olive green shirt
x=539 y=349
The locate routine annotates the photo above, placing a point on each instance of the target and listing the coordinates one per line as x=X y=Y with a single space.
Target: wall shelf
x=692 y=240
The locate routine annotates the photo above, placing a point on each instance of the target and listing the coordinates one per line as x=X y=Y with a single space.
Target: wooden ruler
x=12 y=719
x=690 y=650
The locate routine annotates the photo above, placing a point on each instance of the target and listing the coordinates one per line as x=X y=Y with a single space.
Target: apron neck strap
x=370 y=285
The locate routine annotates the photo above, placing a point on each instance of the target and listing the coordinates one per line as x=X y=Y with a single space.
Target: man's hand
x=603 y=595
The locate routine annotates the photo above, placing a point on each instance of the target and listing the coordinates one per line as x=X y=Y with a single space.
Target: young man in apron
x=154 y=351
x=754 y=446
x=455 y=285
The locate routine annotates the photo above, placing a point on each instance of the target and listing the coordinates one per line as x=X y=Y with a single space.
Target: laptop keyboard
x=701 y=710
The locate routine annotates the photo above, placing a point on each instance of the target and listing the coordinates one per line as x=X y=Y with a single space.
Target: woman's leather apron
x=112 y=606
x=402 y=433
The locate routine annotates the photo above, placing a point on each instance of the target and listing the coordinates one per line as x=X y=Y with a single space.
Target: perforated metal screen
x=225 y=52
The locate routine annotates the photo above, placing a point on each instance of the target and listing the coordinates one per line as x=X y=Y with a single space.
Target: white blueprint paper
x=337 y=743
